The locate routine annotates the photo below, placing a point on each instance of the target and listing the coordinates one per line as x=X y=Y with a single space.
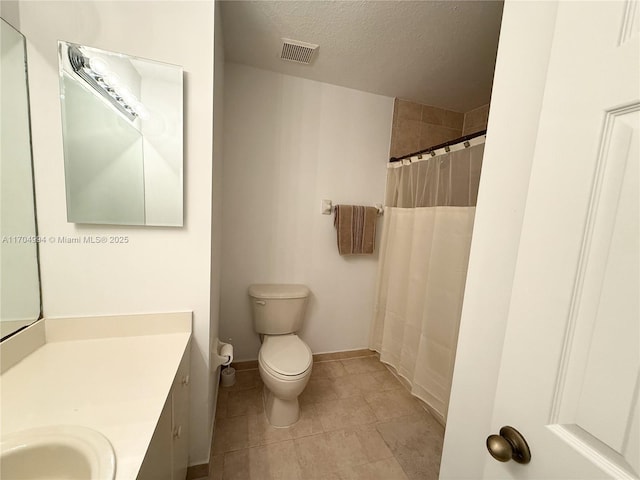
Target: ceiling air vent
x=296 y=51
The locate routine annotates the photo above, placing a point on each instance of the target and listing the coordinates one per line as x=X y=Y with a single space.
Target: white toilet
x=284 y=359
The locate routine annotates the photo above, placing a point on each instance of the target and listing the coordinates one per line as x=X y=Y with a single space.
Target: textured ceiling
x=439 y=53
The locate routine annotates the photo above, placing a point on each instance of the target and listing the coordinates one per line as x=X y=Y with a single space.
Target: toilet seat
x=284 y=378
x=285 y=356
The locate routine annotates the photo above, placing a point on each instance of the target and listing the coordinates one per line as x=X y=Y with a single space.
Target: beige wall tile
x=433 y=115
x=417 y=127
x=408 y=110
x=407 y=135
x=476 y=120
x=477 y=115
x=469 y=129
x=444 y=118
x=453 y=120
x=431 y=135
x=394 y=150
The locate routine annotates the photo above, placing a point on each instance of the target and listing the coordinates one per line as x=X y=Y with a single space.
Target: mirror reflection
x=122 y=136
x=19 y=280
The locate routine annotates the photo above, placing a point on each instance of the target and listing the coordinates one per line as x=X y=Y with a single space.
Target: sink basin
x=57 y=452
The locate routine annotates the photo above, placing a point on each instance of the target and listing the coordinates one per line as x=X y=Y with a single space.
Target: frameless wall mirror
x=122 y=136
x=19 y=277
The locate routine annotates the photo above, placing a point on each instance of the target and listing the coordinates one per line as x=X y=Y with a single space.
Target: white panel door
x=569 y=376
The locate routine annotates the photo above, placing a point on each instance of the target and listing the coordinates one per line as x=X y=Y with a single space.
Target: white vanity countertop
x=115 y=385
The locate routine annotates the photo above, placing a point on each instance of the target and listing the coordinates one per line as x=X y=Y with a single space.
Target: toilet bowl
x=284 y=360
x=285 y=364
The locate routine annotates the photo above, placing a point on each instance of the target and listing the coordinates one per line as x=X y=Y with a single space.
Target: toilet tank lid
x=273 y=290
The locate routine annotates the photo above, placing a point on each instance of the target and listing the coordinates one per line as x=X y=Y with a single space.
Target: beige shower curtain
x=426 y=236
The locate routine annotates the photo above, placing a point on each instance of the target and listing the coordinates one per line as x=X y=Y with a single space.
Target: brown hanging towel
x=356 y=229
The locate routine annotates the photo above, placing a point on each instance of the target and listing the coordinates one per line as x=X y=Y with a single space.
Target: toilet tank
x=278 y=309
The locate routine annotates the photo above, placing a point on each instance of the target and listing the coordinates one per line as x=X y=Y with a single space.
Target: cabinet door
x=157 y=461
x=180 y=418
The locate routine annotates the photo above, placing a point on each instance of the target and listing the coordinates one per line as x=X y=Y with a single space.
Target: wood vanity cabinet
x=168 y=452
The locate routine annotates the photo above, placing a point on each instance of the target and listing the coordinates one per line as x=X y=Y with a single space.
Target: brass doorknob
x=509 y=445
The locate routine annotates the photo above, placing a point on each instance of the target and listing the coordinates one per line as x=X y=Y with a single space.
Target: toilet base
x=280 y=413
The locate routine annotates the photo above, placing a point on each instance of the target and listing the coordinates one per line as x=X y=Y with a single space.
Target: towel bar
x=327 y=207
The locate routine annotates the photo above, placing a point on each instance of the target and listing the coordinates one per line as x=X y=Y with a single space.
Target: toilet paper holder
x=224 y=355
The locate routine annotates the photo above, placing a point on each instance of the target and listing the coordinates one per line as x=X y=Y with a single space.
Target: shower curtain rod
x=440 y=145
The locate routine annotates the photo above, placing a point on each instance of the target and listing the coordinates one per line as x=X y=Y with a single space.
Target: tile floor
x=357 y=422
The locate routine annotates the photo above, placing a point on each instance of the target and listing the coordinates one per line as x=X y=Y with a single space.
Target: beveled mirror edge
x=4 y=335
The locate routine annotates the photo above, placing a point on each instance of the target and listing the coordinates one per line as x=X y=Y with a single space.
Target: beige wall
x=289 y=143
x=417 y=127
x=160 y=269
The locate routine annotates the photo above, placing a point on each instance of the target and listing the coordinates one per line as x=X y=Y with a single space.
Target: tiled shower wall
x=417 y=127
x=476 y=120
